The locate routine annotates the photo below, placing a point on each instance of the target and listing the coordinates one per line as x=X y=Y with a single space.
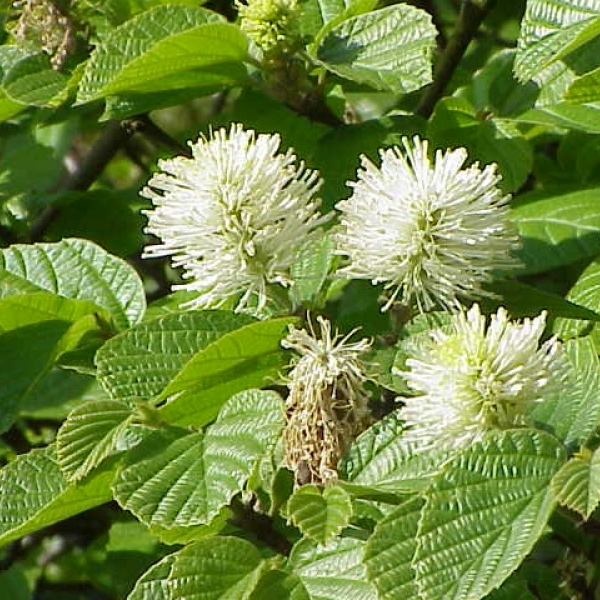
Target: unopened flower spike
x=272 y=24
x=430 y=231
x=233 y=216
x=474 y=378
x=327 y=403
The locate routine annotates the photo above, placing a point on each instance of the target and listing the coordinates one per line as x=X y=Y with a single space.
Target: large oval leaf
x=482 y=515
x=388 y=49
x=177 y=479
x=140 y=362
x=76 y=269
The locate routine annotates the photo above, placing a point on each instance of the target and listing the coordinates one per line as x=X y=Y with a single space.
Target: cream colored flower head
x=327 y=403
x=432 y=231
x=233 y=216
x=473 y=378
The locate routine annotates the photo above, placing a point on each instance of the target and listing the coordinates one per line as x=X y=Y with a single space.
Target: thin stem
x=472 y=13
x=152 y=131
x=110 y=141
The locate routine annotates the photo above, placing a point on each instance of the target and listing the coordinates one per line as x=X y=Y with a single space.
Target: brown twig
x=473 y=12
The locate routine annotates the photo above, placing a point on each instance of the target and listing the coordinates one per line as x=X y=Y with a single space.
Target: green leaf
x=316 y=14
x=382 y=461
x=549 y=32
x=585 y=89
x=309 y=271
x=32 y=81
x=91 y=433
x=558 y=230
x=494 y=88
x=568 y=116
x=319 y=513
x=247 y=357
x=27 y=353
x=332 y=571
x=175 y=478
x=215 y=569
x=577 y=484
x=281 y=585
x=484 y=512
x=388 y=49
x=140 y=362
x=36 y=307
x=488 y=140
x=152 y=585
x=558 y=42
x=395 y=537
x=35 y=494
x=524 y=300
x=174 y=47
x=574 y=412
x=75 y=269
x=585 y=292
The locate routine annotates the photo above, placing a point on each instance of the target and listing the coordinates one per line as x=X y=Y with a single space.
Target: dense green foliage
x=142 y=440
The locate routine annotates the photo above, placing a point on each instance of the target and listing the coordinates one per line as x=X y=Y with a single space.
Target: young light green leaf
x=91 y=433
x=178 y=479
x=175 y=47
x=558 y=230
x=332 y=571
x=577 y=484
x=319 y=513
x=140 y=362
x=76 y=269
x=483 y=514
x=247 y=357
x=35 y=494
x=388 y=49
x=390 y=551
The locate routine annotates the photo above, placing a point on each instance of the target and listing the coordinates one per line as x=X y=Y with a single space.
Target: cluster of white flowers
x=472 y=379
x=235 y=215
x=430 y=232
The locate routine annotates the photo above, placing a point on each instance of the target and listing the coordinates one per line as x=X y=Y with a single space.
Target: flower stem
x=472 y=13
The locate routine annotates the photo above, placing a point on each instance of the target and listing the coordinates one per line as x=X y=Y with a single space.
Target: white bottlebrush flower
x=474 y=379
x=327 y=403
x=430 y=231
x=233 y=216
